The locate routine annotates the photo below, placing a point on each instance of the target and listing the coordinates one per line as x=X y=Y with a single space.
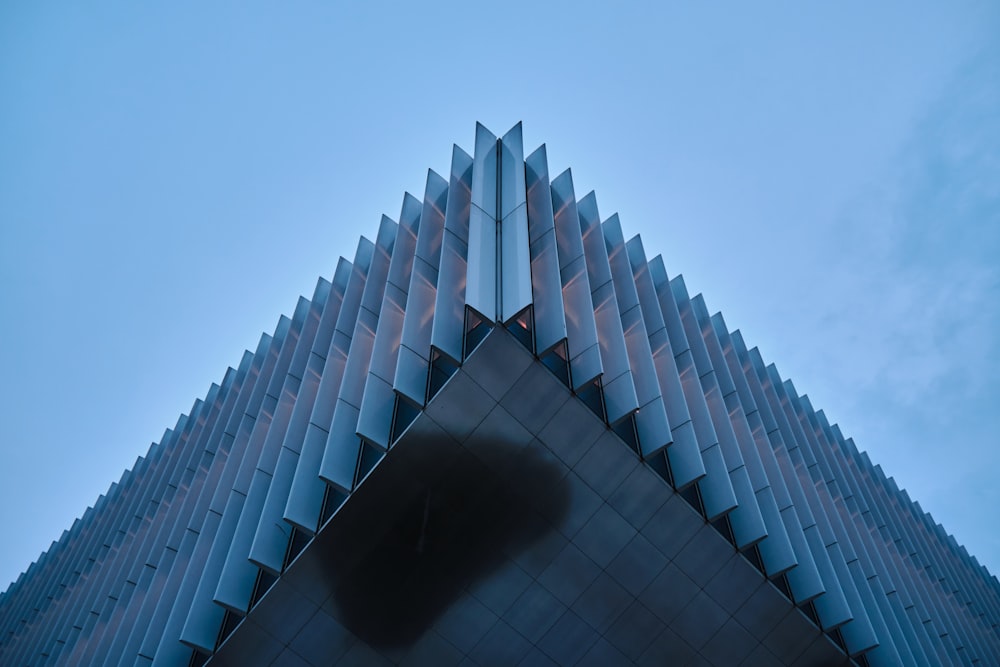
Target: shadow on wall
x=452 y=533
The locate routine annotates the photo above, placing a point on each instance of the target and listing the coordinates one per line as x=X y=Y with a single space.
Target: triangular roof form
x=502 y=433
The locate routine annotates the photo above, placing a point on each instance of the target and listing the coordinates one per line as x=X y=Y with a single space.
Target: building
x=502 y=433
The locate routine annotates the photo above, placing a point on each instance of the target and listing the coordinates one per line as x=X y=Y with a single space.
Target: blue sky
x=174 y=175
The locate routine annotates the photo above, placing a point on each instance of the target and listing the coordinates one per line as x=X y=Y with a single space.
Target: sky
x=174 y=175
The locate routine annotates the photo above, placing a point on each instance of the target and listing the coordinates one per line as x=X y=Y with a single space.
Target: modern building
x=502 y=435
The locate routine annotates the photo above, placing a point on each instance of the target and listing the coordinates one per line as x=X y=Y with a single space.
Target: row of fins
x=168 y=562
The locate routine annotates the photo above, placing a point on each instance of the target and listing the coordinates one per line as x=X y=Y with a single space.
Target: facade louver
x=503 y=435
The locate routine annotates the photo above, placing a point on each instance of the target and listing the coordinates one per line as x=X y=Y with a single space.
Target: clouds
x=912 y=347
x=924 y=258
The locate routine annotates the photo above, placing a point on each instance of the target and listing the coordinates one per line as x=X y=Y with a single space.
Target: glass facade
x=502 y=435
